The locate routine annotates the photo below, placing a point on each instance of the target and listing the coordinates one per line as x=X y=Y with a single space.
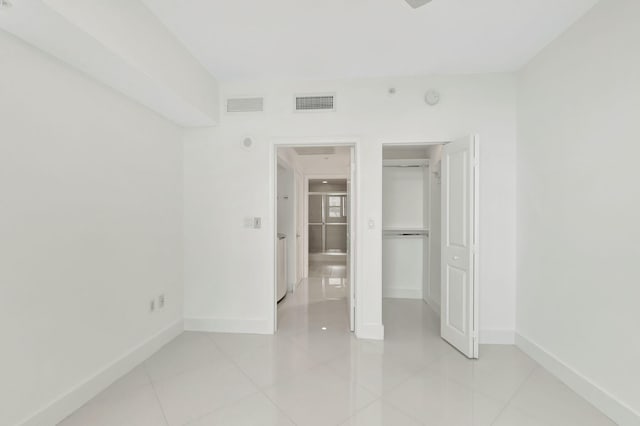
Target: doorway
x=315 y=214
x=430 y=240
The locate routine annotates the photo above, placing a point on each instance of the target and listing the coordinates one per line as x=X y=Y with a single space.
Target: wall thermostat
x=432 y=97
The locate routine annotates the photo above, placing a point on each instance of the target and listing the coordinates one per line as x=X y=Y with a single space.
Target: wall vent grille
x=315 y=103
x=245 y=104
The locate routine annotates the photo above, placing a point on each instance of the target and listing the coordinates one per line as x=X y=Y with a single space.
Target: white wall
x=145 y=43
x=122 y=45
x=579 y=205
x=90 y=231
x=220 y=295
x=435 y=229
x=403 y=198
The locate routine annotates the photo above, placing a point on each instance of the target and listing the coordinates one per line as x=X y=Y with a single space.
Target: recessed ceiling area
x=403 y=152
x=319 y=160
x=311 y=39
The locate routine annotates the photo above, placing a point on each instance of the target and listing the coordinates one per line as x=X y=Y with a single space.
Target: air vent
x=315 y=150
x=245 y=104
x=315 y=103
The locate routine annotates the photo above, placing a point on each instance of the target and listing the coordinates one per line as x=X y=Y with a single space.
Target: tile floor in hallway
x=314 y=372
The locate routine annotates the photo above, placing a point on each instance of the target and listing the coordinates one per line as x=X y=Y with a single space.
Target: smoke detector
x=417 y=3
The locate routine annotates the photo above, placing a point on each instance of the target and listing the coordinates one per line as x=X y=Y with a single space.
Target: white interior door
x=459 y=303
x=351 y=241
x=299 y=183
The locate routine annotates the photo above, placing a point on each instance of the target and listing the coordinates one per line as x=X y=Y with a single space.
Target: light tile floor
x=314 y=372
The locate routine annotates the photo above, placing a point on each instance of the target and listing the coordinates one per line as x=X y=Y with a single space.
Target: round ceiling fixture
x=432 y=97
x=417 y=3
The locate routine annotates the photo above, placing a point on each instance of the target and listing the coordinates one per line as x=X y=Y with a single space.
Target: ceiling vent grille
x=315 y=103
x=245 y=104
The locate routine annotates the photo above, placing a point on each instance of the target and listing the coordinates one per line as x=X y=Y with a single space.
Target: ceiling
x=324 y=39
x=336 y=162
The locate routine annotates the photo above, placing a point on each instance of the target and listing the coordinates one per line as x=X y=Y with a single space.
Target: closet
x=409 y=198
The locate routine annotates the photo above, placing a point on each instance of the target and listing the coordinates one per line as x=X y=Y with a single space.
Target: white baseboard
x=65 y=404
x=370 y=331
x=617 y=410
x=229 y=325
x=402 y=293
x=497 y=337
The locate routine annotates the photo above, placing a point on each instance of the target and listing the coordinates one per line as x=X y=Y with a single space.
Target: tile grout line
x=155 y=392
x=533 y=370
x=259 y=389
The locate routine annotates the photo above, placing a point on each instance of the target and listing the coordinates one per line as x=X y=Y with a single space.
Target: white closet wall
x=405 y=222
x=433 y=204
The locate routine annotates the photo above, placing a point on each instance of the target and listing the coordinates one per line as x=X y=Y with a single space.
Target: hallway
x=321 y=300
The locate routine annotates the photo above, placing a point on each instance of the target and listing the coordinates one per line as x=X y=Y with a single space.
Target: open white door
x=351 y=215
x=459 y=303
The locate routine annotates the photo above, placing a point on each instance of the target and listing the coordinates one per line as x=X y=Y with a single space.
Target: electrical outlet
x=161 y=301
x=152 y=305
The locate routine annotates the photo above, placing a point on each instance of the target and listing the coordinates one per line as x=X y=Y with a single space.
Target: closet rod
x=406 y=233
x=407 y=166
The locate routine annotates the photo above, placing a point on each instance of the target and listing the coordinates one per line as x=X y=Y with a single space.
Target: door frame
x=301 y=265
x=290 y=142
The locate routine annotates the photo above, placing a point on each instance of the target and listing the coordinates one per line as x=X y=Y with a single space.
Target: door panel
x=459 y=246
x=316 y=206
x=336 y=238
x=456 y=293
x=316 y=238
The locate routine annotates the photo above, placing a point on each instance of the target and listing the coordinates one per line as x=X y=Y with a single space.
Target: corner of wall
x=56 y=410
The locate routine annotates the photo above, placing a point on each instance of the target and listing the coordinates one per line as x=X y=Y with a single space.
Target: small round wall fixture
x=247 y=143
x=432 y=97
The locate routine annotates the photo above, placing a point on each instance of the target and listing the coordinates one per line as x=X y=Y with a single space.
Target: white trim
x=476 y=242
x=617 y=410
x=370 y=331
x=402 y=293
x=229 y=325
x=65 y=404
x=497 y=337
